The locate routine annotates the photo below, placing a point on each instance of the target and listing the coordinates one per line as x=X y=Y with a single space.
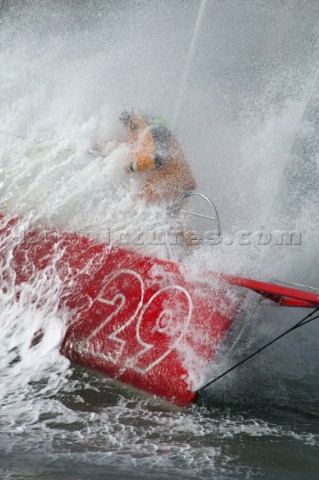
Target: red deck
x=132 y=317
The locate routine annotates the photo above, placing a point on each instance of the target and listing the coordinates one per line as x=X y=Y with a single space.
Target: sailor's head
x=133 y=123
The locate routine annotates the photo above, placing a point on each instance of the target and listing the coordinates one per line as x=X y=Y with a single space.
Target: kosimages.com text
x=174 y=237
x=138 y=237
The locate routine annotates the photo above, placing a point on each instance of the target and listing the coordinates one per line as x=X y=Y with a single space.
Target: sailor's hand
x=103 y=149
x=110 y=146
x=95 y=151
x=130 y=167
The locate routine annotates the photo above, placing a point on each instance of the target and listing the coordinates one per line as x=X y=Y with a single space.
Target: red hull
x=132 y=317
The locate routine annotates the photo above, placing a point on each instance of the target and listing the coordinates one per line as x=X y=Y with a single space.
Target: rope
x=190 y=57
x=248 y=321
x=307 y=319
x=12 y=134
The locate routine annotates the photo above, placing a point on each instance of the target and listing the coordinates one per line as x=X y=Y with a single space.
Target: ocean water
x=247 y=121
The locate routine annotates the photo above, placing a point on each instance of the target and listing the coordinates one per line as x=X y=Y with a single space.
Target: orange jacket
x=160 y=157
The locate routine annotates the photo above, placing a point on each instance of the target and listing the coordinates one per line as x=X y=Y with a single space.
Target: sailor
x=157 y=155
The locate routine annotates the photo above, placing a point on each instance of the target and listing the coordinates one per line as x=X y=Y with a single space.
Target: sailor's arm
x=144 y=159
x=142 y=163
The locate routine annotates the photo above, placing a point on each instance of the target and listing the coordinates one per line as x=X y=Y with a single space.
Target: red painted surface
x=284 y=296
x=132 y=317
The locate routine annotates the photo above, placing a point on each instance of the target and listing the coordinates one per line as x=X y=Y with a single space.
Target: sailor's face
x=133 y=127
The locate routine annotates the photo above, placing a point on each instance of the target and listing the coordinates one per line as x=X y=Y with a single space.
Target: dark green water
x=67 y=68
x=102 y=430
x=262 y=421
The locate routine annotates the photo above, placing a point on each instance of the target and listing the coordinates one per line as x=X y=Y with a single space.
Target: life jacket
x=152 y=148
x=161 y=138
x=159 y=155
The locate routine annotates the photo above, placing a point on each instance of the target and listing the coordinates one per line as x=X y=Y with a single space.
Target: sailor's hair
x=153 y=121
x=158 y=121
x=126 y=116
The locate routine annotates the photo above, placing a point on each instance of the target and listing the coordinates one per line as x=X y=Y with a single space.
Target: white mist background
x=69 y=68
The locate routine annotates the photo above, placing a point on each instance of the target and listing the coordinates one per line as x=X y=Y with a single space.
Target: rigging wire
x=13 y=134
x=247 y=322
x=304 y=321
x=189 y=61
